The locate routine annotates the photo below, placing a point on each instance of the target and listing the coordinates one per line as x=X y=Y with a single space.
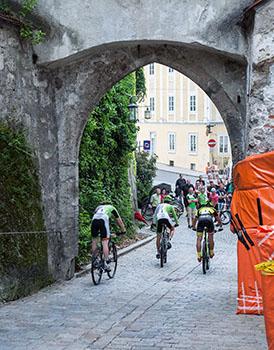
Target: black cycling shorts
x=161 y=223
x=205 y=221
x=98 y=227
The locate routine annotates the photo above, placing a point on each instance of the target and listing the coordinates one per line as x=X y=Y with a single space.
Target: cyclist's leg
x=211 y=237
x=200 y=230
x=95 y=228
x=159 y=232
x=211 y=243
x=105 y=235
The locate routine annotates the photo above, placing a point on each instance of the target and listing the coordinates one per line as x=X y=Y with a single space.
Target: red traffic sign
x=212 y=143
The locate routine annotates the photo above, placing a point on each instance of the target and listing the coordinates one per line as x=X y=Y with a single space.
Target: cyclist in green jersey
x=205 y=217
x=100 y=226
x=163 y=216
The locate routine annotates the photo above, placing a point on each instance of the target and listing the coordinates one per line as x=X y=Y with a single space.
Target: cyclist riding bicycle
x=163 y=216
x=205 y=217
x=100 y=226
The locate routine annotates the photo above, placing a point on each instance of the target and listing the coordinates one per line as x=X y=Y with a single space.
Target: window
x=171 y=163
x=152 y=104
x=151 y=69
x=170 y=70
x=223 y=144
x=171 y=103
x=193 y=138
x=171 y=142
x=192 y=166
x=153 y=142
x=192 y=103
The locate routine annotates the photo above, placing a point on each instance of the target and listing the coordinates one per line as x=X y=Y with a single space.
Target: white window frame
x=151 y=69
x=223 y=137
x=153 y=136
x=190 y=143
x=173 y=149
x=152 y=105
x=171 y=111
x=170 y=70
x=191 y=95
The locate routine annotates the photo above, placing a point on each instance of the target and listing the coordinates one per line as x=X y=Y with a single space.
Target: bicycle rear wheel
x=204 y=258
x=97 y=270
x=225 y=217
x=113 y=259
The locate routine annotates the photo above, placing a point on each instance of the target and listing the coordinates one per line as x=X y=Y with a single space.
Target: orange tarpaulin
x=253 y=201
x=265 y=240
x=253 y=179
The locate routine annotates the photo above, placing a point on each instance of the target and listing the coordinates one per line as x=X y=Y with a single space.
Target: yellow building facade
x=180 y=113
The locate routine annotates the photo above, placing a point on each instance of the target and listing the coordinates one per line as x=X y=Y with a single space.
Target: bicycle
x=225 y=214
x=163 y=246
x=98 y=264
x=205 y=252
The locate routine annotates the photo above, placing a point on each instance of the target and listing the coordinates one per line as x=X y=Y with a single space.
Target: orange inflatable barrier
x=252 y=205
x=265 y=240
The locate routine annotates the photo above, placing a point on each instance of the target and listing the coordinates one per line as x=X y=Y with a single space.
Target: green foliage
x=146 y=171
x=27 y=30
x=23 y=257
x=20 y=197
x=4 y=7
x=108 y=143
x=140 y=84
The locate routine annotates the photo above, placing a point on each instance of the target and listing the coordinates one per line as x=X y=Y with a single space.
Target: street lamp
x=147 y=114
x=133 y=109
x=208 y=128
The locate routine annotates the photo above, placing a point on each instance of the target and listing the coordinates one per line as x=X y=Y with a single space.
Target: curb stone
x=121 y=252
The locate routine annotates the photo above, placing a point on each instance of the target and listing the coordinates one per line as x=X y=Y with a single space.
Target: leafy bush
x=107 y=147
x=146 y=171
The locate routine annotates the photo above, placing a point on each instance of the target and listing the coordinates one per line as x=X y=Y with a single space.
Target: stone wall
x=261 y=82
x=26 y=101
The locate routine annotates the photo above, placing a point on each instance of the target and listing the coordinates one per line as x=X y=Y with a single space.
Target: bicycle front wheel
x=97 y=270
x=225 y=217
x=113 y=259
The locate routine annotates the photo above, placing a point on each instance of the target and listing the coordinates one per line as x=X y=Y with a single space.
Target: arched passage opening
x=81 y=82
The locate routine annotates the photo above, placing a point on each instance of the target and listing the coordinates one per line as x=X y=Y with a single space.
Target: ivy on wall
x=107 y=147
x=23 y=256
x=20 y=18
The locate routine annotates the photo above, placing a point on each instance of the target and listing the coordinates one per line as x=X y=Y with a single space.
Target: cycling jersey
x=207 y=211
x=165 y=211
x=205 y=219
x=100 y=220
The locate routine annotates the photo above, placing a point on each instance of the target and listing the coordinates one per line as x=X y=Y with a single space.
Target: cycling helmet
x=168 y=199
x=213 y=190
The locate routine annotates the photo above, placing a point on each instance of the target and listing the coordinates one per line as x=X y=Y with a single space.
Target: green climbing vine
x=107 y=148
x=28 y=30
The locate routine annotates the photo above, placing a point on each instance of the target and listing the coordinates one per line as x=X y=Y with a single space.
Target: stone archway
x=79 y=84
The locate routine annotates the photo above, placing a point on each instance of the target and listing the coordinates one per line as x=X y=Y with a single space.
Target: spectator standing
x=202 y=181
x=163 y=195
x=221 y=197
x=214 y=198
x=191 y=207
x=155 y=199
x=202 y=197
x=180 y=182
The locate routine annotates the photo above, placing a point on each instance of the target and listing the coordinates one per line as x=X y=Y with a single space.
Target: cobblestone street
x=144 y=307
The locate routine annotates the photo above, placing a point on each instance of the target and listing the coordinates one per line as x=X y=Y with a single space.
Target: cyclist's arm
x=118 y=219
x=174 y=215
